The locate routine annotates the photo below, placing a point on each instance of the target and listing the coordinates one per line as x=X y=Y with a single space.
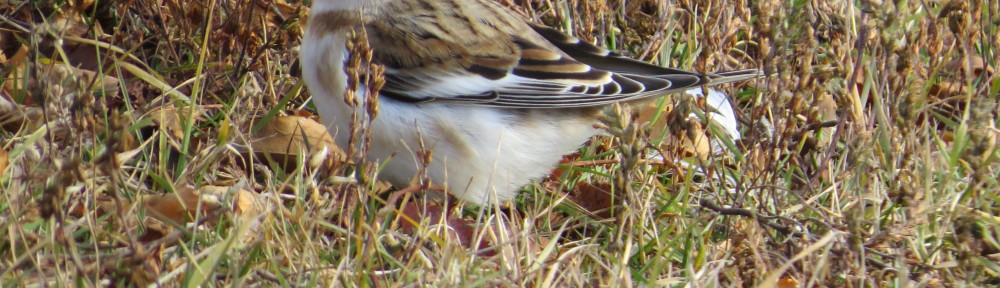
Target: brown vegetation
x=136 y=149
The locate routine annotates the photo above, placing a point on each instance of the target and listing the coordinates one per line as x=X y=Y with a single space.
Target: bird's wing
x=479 y=53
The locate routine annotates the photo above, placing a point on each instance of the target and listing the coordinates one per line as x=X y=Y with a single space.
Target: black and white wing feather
x=500 y=61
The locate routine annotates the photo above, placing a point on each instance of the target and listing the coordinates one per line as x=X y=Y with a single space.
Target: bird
x=498 y=100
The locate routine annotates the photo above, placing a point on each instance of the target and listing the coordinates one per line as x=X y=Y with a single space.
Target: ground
x=134 y=151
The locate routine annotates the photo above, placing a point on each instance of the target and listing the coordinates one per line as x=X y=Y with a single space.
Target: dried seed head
x=957 y=12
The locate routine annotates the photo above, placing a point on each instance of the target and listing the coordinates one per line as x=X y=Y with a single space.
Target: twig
x=762 y=219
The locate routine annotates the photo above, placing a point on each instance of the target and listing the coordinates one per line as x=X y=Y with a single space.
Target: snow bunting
x=497 y=100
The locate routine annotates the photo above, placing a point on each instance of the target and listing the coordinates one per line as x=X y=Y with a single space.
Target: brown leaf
x=154 y=231
x=649 y=109
x=179 y=207
x=693 y=141
x=246 y=204
x=689 y=138
x=595 y=198
x=284 y=137
x=787 y=282
x=945 y=90
x=101 y=205
x=187 y=203
x=976 y=65
x=67 y=25
x=80 y=6
x=169 y=119
x=146 y=266
x=415 y=214
x=14 y=60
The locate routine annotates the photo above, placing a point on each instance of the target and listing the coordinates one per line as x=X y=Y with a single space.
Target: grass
x=868 y=156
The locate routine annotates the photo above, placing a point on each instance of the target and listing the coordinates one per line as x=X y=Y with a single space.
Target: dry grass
x=868 y=156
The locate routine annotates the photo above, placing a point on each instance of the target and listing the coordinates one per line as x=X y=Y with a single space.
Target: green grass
x=853 y=171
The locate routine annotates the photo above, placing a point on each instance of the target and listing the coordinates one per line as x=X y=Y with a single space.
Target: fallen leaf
x=787 y=282
x=187 y=203
x=976 y=65
x=687 y=134
x=146 y=266
x=180 y=207
x=945 y=90
x=168 y=120
x=80 y=6
x=306 y=114
x=414 y=216
x=246 y=204
x=154 y=231
x=948 y=99
x=284 y=138
x=595 y=198
x=14 y=60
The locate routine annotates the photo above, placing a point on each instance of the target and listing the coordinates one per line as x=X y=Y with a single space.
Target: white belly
x=479 y=154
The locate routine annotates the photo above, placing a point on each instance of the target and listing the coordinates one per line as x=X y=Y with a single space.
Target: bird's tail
x=733 y=76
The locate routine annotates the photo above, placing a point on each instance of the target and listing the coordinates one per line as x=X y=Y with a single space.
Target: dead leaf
x=103 y=84
x=14 y=60
x=679 y=137
x=170 y=120
x=146 y=266
x=945 y=90
x=306 y=114
x=101 y=205
x=167 y=120
x=285 y=137
x=180 y=207
x=183 y=206
x=80 y=6
x=154 y=231
x=689 y=140
x=826 y=107
x=648 y=110
x=687 y=134
x=595 y=198
x=414 y=214
x=787 y=282
x=246 y=204
x=976 y=65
